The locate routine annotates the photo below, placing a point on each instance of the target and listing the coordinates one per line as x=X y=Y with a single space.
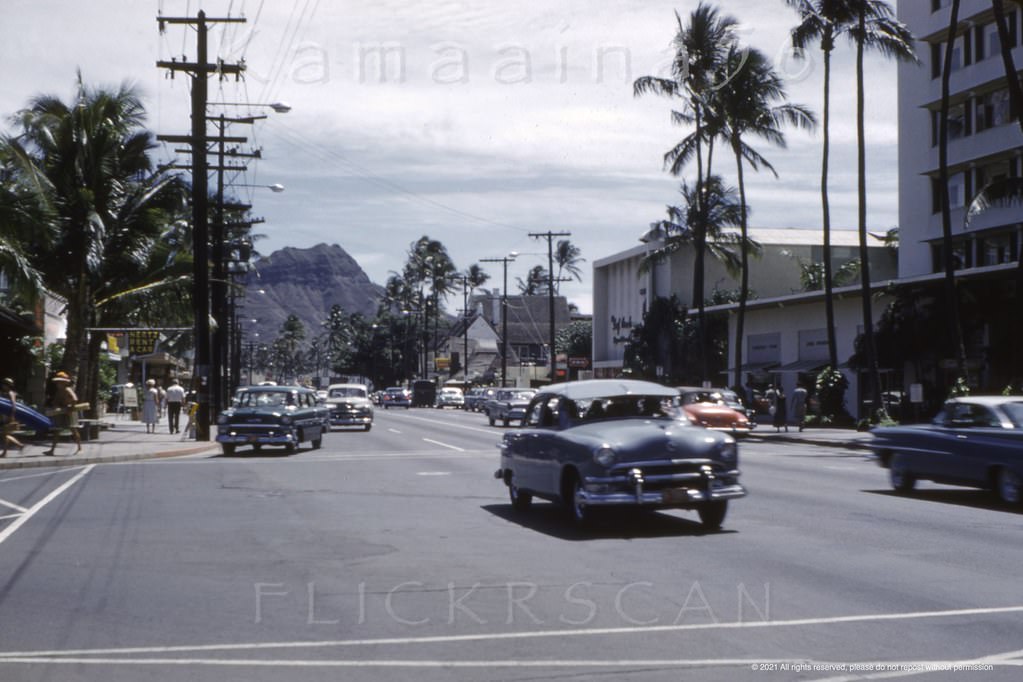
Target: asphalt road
x=394 y=554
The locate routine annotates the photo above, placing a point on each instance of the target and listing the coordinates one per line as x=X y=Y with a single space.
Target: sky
x=483 y=122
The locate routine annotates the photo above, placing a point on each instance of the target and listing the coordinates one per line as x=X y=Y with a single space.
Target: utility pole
x=504 y=315
x=200 y=70
x=550 y=292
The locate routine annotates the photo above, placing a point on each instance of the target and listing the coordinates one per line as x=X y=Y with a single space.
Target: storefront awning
x=800 y=366
x=752 y=367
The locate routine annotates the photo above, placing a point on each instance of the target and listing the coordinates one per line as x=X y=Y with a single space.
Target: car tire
x=367 y=427
x=712 y=514
x=1008 y=483
x=582 y=515
x=290 y=448
x=506 y=421
x=492 y=420
x=520 y=500
x=228 y=449
x=317 y=443
x=901 y=479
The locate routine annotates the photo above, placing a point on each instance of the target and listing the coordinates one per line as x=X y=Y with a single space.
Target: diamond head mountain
x=306 y=283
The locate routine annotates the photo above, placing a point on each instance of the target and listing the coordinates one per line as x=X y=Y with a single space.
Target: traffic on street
x=395 y=554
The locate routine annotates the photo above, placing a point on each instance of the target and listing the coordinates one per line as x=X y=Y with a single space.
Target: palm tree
x=748 y=105
x=86 y=164
x=567 y=256
x=535 y=282
x=876 y=28
x=700 y=47
x=822 y=21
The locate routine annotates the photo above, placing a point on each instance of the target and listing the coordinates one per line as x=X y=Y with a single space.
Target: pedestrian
x=191 y=409
x=65 y=412
x=9 y=419
x=780 y=411
x=175 y=398
x=799 y=405
x=161 y=402
x=149 y=410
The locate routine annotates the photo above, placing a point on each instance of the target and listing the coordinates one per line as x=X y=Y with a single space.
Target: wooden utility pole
x=504 y=315
x=200 y=71
x=549 y=236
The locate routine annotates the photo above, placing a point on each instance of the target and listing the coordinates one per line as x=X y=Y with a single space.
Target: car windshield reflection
x=620 y=407
x=266 y=399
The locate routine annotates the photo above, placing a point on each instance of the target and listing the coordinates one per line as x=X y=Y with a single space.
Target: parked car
x=424 y=393
x=484 y=402
x=510 y=404
x=974 y=441
x=396 y=396
x=450 y=397
x=618 y=443
x=707 y=407
x=350 y=405
x=273 y=415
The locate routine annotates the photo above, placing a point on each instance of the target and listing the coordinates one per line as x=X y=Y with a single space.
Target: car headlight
x=604 y=456
x=729 y=452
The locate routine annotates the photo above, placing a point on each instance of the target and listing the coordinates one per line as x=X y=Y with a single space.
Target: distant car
x=273 y=415
x=509 y=405
x=472 y=398
x=707 y=407
x=486 y=401
x=396 y=396
x=349 y=405
x=974 y=441
x=618 y=443
x=450 y=397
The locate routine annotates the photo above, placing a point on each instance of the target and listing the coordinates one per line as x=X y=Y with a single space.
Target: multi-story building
x=985 y=143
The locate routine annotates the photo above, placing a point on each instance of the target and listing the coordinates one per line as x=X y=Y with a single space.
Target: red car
x=707 y=407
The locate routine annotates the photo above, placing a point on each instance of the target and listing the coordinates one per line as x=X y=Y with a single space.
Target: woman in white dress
x=149 y=414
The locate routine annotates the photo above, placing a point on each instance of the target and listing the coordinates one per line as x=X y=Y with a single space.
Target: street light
x=276 y=188
x=278 y=107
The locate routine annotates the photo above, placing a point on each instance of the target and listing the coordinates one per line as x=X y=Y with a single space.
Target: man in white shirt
x=175 y=397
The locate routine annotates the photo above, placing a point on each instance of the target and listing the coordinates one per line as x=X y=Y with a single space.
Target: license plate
x=674 y=495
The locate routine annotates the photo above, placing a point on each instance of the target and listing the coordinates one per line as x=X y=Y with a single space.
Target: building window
x=997 y=249
x=962 y=255
x=993 y=109
x=958 y=188
x=939 y=4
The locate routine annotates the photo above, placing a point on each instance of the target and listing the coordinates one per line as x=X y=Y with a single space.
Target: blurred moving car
x=707 y=407
x=396 y=396
x=618 y=443
x=273 y=415
x=350 y=405
x=974 y=441
x=450 y=397
x=510 y=404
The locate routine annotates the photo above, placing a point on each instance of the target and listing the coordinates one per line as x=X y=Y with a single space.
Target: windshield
x=265 y=399
x=347 y=392
x=1015 y=412
x=618 y=407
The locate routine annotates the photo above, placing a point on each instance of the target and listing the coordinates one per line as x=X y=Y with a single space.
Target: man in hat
x=8 y=420
x=66 y=416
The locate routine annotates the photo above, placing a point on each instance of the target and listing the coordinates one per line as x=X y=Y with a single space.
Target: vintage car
x=273 y=415
x=974 y=441
x=707 y=407
x=473 y=397
x=395 y=396
x=618 y=443
x=349 y=405
x=449 y=396
x=509 y=404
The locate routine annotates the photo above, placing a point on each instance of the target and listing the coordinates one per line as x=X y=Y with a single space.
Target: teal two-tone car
x=614 y=444
x=284 y=416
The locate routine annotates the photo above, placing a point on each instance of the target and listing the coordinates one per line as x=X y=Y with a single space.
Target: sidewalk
x=122 y=440
x=823 y=437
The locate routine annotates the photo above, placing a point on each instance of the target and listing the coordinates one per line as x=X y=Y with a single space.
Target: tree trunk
x=951 y=294
x=740 y=321
x=829 y=298
x=861 y=163
x=699 y=244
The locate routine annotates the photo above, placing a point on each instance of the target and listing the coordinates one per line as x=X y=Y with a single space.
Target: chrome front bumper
x=272 y=438
x=670 y=490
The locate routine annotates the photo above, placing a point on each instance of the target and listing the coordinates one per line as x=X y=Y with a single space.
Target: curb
x=74 y=461
x=860 y=445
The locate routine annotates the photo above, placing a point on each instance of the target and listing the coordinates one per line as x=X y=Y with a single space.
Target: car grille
x=665 y=474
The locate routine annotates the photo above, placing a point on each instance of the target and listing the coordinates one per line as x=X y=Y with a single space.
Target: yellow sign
x=142 y=342
x=442 y=363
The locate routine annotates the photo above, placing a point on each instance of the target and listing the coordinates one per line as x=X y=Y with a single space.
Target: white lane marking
x=527 y=634
x=433 y=473
x=452 y=425
x=9 y=531
x=45 y=473
x=11 y=505
x=390 y=430
x=444 y=445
